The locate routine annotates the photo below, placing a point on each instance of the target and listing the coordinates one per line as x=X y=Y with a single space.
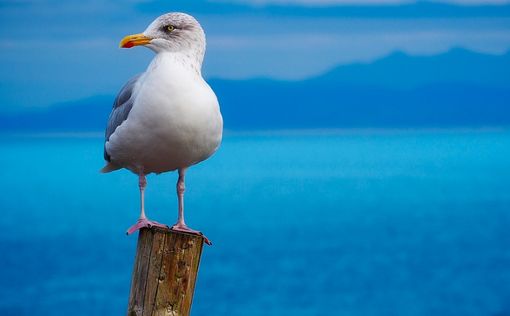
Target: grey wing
x=121 y=107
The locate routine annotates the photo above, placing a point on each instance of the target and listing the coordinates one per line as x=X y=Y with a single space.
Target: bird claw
x=144 y=223
x=185 y=229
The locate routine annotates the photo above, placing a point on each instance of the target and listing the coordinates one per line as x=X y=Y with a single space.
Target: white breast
x=175 y=121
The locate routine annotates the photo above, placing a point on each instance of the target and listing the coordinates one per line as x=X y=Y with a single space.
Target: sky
x=54 y=51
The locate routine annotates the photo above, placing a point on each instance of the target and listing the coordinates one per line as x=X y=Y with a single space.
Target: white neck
x=185 y=60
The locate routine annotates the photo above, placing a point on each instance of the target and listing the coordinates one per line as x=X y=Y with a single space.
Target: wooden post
x=165 y=272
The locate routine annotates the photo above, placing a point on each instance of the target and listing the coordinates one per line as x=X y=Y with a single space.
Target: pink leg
x=181 y=225
x=143 y=221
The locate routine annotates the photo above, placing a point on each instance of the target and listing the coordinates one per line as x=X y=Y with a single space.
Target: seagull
x=167 y=118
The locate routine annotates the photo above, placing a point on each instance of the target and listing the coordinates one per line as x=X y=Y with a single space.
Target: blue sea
x=360 y=222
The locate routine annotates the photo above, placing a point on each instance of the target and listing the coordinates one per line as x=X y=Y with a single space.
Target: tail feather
x=109 y=168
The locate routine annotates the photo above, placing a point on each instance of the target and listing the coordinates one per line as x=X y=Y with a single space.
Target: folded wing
x=121 y=107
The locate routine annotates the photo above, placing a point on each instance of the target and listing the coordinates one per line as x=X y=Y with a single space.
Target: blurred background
x=364 y=168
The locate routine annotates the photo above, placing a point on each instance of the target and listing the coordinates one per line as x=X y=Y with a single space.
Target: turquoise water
x=356 y=223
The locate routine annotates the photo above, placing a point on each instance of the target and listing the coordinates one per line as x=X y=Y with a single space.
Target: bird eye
x=170 y=28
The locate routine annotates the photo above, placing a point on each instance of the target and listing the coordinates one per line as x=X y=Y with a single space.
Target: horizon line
x=284 y=132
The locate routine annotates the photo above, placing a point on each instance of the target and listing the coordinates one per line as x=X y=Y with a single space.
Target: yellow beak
x=134 y=40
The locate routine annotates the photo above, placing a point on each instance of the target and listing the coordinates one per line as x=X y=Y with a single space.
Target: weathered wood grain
x=164 y=273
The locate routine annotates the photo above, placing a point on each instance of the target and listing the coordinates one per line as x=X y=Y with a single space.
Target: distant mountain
x=458 y=88
x=89 y=114
x=399 y=70
x=265 y=105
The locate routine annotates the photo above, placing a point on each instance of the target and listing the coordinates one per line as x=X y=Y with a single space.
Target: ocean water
x=351 y=223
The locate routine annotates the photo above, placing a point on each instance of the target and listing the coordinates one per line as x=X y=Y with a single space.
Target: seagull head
x=171 y=32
